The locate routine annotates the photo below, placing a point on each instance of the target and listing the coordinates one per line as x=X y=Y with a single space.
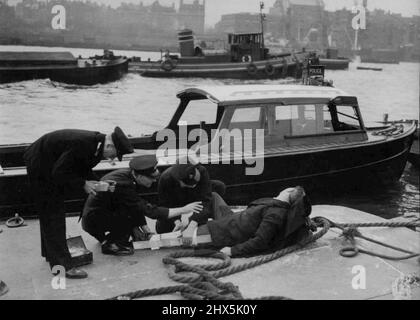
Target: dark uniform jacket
x=171 y=194
x=65 y=157
x=125 y=202
x=263 y=226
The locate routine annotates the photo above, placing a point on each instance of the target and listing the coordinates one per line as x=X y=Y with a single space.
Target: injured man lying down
x=266 y=225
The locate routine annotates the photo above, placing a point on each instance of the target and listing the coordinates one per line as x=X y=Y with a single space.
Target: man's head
x=299 y=211
x=144 y=170
x=291 y=195
x=117 y=145
x=187 y=175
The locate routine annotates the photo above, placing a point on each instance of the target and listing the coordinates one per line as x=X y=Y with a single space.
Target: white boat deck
x=316 y=272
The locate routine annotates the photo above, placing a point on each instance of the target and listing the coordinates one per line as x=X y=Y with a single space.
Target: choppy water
x=142 y=105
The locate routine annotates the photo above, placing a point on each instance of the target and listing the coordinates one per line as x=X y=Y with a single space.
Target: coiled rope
x=393 y=130
x=204 y=284
x=350 y=232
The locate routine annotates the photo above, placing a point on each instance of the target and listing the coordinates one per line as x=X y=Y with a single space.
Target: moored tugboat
x=246 y=58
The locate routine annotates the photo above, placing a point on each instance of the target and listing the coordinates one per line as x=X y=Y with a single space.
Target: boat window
x=246 y=115
x=199 y=110
x=249 y=118
x=286 y=112
x=344 y=118
x=242 y=129
x=296 y=120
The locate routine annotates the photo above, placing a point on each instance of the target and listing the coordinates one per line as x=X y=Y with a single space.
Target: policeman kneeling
x=115 y=215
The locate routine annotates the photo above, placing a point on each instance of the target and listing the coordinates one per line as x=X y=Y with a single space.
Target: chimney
x=186 y=43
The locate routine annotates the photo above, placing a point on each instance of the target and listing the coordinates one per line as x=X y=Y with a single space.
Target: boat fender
x=252 y=69
x=247 y=58
x=284 y=68
x=269 y=69
x=167 y=65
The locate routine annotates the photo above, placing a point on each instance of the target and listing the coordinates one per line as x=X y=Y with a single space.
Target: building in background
x=131 y=25
x=300 y=22
x=289 y=23
x=239 y=23
x=192 y=16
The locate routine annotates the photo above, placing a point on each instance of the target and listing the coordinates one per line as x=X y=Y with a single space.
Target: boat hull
x=335 y=64
x=67 y=74
x=327 y=170
x=266 y=69
x=369 y=68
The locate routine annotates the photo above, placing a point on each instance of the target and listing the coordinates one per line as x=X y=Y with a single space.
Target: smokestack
x=186 y=43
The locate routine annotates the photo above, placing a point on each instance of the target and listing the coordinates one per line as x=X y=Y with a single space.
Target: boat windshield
x=247 y=38
x=296 y=120
x=198 y=111
x=297 y=124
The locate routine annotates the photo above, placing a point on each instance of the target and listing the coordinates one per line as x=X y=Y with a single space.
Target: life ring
x=247 y=58
x=167 y=65
x=252 y=69
x=284 y=69
x=269 y=69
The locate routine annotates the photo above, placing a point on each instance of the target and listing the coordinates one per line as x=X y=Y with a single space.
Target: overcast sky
x=215 y=8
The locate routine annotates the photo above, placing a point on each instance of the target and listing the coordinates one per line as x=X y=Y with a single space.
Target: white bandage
x=194 y=239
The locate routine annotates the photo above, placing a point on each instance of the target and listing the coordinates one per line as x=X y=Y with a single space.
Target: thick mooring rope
x=393 y=130
x=350 y=232
x=205 y=284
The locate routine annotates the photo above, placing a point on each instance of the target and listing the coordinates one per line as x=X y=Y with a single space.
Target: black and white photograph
x=205 y=156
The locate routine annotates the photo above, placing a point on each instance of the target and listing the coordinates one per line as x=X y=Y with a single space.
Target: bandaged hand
x=89 y=187
x=227 y=251
x=182 y=224
x=112 y=185
x=178 y=226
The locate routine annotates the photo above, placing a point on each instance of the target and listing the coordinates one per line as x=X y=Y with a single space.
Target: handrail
x=325 y=134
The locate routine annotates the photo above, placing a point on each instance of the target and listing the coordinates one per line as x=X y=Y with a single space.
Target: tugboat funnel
x=186 y=43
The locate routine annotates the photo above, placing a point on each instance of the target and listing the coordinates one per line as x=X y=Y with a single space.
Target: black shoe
x=116 y=250
x=75 y=273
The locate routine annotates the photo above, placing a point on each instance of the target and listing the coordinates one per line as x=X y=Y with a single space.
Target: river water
x=142 y=105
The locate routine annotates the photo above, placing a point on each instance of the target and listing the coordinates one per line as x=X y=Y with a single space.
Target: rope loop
x=349 y=251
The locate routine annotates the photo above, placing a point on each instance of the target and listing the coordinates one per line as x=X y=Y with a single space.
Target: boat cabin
x=247 y=47
x=284 y=115
x=243 y=47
